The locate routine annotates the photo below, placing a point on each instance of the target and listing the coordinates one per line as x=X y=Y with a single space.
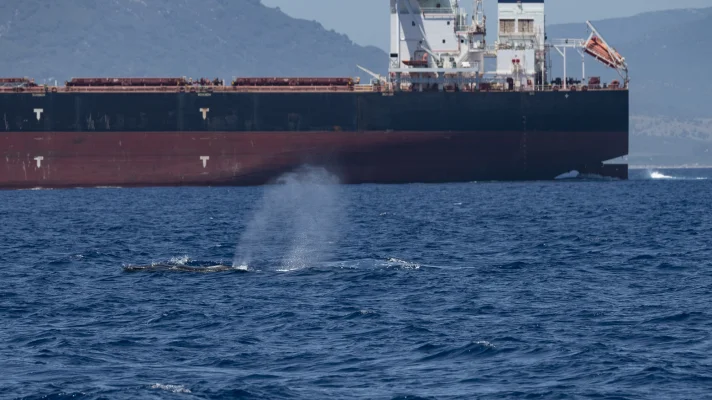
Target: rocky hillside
x=60 y=39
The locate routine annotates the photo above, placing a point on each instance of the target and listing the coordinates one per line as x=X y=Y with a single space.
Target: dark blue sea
x=572 y=289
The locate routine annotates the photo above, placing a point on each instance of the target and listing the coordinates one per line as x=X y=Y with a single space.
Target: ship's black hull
x=224 y=138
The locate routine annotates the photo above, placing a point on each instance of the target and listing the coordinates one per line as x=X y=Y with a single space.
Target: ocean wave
x=437 y=303
x=670 y=266
x=676 y=317
x=473 y=349
x=515 y=265
x=362 y=314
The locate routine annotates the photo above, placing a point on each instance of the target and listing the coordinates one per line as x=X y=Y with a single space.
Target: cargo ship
x=439 y=115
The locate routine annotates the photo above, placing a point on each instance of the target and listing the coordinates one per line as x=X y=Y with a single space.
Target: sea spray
x=296 y=223
x=657 y=175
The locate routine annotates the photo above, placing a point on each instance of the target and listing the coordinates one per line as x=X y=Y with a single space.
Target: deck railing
x=438 y=10
x=206 y=91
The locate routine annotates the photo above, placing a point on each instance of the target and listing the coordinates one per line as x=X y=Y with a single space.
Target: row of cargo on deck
x=594 y=83
x=183 y=82
x=172 y=82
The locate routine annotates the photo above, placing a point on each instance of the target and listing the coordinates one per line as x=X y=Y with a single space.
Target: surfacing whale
x=181 y=268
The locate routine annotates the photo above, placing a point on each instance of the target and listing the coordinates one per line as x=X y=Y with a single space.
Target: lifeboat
x=598 y=49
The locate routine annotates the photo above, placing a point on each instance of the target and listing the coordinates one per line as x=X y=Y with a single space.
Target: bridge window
x=506 y=26
x=526 y=26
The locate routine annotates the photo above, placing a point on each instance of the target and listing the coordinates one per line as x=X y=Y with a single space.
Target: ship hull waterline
x=138 y=159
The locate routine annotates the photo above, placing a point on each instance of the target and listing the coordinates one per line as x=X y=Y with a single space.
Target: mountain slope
x=60 y=39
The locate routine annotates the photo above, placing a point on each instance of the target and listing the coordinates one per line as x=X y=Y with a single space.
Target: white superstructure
x=521 y=43
x=433 y=42
x=436 y=45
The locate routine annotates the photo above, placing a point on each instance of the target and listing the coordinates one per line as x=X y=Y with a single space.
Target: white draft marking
x=205 y=159
x=39 y=161
x=38 y=112
x=205 y=112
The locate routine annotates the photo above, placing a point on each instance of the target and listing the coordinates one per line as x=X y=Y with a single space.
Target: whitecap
x=171 y=388
x=659 y=175
x=402 y=263
x=241 y=267
x=180 y=260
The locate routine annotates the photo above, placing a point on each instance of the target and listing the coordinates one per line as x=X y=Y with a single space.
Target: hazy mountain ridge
x=670 y=141
x=225 y=38
x=699 y=129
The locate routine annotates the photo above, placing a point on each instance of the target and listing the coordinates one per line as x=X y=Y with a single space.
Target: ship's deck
x=42 y=90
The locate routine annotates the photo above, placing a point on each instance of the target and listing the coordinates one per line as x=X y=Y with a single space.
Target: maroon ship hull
x=86 y=159
x=166 y=136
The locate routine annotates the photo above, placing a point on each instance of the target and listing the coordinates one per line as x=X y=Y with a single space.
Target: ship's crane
x=376 y=77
